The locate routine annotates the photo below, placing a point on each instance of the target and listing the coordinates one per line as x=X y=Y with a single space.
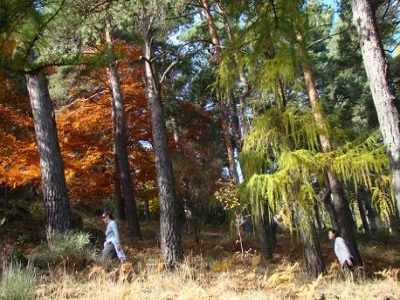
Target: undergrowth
x=66 y=268
x=18 y=282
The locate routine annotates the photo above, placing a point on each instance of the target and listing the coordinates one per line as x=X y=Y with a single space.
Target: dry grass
x=218 y=270
x=240 y=278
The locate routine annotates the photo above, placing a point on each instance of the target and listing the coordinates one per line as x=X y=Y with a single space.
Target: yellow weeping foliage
x=281 y=161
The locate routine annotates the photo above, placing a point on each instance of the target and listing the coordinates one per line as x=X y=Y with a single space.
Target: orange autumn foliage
x=86 y=135
x=19 y=161
x=85 y=132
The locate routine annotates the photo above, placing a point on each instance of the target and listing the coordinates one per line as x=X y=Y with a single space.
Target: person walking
x=342 y=252
x=112 y=246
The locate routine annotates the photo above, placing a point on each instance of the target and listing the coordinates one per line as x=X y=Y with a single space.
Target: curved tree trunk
x=376 y=66
x=55 y=195
x=121 y=150
x=170 y=230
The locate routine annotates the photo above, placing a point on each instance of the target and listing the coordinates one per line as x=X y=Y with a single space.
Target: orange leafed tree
x=19 y=160
x=85 y=134
x=85 y=131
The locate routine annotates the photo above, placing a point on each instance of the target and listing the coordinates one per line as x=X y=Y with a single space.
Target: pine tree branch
x=41 y=30
x=327 y=37
x=168 y=69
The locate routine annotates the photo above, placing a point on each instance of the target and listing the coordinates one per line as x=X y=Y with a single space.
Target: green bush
x=69 y=246
x=18 y=282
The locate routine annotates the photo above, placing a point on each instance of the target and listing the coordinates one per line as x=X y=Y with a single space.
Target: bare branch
x=168 y=69
x=327 y=37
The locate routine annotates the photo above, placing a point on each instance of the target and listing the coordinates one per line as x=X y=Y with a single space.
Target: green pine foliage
x=282 y=163
x=282 y=160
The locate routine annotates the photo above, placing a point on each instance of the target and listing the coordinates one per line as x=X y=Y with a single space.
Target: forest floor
x=219 y=268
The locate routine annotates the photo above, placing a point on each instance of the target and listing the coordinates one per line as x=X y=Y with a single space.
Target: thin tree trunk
x=228 y=144
x=317 y=217
x=363 y=214
x=369 y=211
x=376 y=66
x=121 y=143
x=55 y=195
x=326 y=200
x=147 y=210
x=345 y=220
x=235 y=125
x=170 y=230
x=223 y=108
x=245 y=85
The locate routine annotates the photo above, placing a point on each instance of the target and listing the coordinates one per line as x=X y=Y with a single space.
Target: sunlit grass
x=240 y=279
x=18 y=282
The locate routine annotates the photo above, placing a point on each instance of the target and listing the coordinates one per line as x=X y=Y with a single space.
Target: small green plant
x=70 y=242
x=18 y=282
x=68 y=246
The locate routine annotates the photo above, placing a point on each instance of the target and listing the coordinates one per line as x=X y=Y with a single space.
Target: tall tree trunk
x=118 y=199
x=245 y=85
x=326 y=200
x=317 y=216
x=228 y=144
x=55 y=195
x=234 y=121
x=376 y=67
x=121 y=150
x=266 y=234
x=363 y=214
x=147 y=210
x=170 y=230
x=312 y=251
x=344 y=217
x=224 y=110
x=365 y=197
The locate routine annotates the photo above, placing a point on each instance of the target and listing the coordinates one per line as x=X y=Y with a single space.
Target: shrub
x=18 y=282
x=71 y=247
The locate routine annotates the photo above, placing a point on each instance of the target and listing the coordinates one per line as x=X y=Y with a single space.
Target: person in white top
x=342 y=252
x=112 y=245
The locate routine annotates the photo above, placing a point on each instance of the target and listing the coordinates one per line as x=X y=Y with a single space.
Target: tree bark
x=245 y=85
x=363 y=214
x=344 y=220
x=118 y=199
x=326 y=200
x=170 y=230
x=312 y=251
x=370 y=214
x=376 y=67
x=55 y=195
x=228 y=144
x=121 y=151
x=224 y=109
x=266 y=234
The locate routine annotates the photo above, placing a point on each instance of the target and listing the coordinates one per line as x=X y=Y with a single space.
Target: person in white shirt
x=342 y=252
x=112 y=245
